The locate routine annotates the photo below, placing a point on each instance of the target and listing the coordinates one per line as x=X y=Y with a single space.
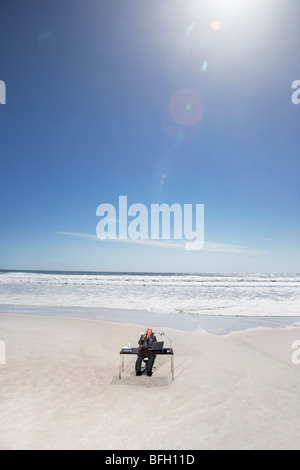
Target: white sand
x=60 y=389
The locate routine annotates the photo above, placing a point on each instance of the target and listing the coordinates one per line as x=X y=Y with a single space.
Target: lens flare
x=45 y=37
x=182 y=118
x=216 y=25
x=204 y=66
x=187 y=107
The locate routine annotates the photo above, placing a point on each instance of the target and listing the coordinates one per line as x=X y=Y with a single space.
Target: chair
x=145 y=361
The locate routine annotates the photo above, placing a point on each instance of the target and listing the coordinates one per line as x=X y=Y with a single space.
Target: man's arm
x=153 y=340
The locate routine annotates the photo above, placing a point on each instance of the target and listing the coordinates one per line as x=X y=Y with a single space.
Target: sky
x=162 y=101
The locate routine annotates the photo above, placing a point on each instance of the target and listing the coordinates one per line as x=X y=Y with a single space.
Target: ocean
x=254 y=295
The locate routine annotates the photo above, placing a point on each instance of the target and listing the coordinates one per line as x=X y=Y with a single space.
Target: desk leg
x=120 y=366
x=172 y=366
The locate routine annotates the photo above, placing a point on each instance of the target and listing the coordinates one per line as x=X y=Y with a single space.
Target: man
x=146 y=342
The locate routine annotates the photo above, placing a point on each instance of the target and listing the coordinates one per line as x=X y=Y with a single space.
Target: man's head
x=149 y=331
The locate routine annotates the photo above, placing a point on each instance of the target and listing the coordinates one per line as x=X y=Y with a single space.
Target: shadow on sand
x=160 y=378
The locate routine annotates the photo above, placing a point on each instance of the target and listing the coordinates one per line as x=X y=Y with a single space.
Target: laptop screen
x=158 y=346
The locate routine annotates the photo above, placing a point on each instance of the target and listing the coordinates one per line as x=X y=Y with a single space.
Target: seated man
x=146 y=342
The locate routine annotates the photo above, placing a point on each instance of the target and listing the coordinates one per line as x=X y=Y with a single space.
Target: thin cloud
x=208 y=246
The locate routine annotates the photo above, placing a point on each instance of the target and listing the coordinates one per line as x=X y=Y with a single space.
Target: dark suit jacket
x=148 y=342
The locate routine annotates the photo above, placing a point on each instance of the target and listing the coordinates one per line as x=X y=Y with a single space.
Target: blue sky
x=90 y=114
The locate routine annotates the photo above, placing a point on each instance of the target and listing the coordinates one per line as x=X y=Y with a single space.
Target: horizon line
x=147 y=272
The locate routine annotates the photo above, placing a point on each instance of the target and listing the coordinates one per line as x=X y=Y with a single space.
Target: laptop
x=157 y=346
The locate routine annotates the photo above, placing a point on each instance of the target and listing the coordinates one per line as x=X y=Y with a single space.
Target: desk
x=145 y=352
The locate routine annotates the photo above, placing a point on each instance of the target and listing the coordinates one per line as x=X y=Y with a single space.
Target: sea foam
x=193 y=294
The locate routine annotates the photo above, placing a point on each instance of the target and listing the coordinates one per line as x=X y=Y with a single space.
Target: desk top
x=146 y=352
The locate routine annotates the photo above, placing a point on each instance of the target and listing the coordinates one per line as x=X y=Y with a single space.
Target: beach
x=149 y=180
x=60 y=387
